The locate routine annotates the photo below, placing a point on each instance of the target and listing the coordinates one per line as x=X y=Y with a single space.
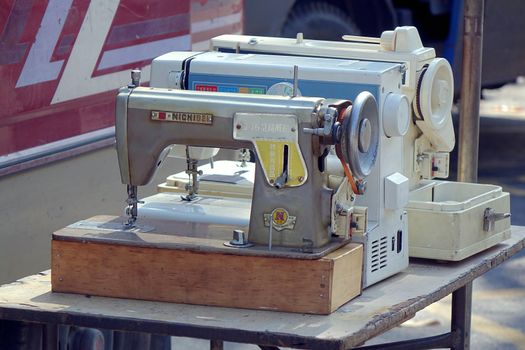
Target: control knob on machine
x=360 y=135
x=396 y=115
x=354 y=130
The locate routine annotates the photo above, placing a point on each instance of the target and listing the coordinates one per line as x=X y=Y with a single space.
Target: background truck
x=439 y=22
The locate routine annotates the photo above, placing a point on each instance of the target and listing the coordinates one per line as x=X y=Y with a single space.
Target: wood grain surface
x=207 y=278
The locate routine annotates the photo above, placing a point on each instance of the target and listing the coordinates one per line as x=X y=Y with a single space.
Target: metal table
x=380 y=308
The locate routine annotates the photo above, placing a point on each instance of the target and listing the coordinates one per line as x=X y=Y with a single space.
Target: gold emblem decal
x=280 y=219
x=183 y=117
x=279 y=216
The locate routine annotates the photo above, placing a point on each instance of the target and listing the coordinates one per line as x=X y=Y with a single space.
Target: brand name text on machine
x=183 y=117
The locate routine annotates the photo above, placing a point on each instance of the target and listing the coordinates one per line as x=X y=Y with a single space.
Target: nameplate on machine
x=183 y=117
x=276 y=140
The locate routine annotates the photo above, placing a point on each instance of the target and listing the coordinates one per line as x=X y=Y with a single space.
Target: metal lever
x=490 y=217
x=326 y=130
x=281 y=180
x=295 y=81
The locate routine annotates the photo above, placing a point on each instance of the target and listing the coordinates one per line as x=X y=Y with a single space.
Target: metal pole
x=216 y=344
x=50 y=332
x=470 y=90
x=461 y=313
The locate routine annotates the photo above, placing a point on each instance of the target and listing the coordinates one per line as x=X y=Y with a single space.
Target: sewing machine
x=385 y=235
x=436 y=209
x=293 y=254
x=290 y=137
x=427 y=83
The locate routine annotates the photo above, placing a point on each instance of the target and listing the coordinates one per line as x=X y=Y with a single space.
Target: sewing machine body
x=427 y=83
x=149 y=120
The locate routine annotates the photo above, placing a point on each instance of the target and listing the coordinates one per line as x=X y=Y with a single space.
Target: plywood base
x=117 y=269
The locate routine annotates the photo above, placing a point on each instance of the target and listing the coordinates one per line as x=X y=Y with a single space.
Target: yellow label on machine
x=276 y=141
x=276 y=157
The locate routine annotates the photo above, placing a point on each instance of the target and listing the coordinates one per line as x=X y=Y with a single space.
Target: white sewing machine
x=447 y=221
x=427 y=83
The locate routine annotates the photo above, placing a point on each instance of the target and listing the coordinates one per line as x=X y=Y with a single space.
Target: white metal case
x=386 y=244
x=448 y=219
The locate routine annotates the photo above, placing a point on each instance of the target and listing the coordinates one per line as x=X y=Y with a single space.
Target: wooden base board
x=206 y=278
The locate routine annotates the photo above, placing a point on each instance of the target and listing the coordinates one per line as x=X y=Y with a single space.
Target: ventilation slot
x=379 y=254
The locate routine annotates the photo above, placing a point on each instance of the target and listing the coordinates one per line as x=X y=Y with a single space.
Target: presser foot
x=189 y=197
x=130 y=223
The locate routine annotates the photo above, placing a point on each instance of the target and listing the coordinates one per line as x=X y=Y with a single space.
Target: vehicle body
x=62 y=61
